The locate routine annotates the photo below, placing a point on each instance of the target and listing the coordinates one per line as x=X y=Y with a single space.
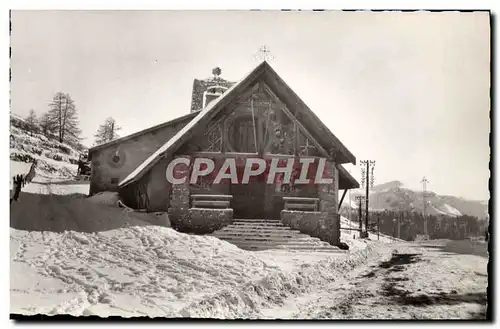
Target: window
x=212 y=93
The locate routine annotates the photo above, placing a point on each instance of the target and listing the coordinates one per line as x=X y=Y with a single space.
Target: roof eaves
x=141 y=132
x=150 y=161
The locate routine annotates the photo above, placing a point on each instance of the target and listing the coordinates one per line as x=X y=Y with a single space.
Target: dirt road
x=423 y=281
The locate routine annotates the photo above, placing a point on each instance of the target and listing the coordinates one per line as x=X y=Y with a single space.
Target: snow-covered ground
x=415 y=282
x=157 y=271
x=44 y=184
x=139 y=269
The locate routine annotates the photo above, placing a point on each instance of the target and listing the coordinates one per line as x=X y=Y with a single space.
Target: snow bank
x=156 y=271
x=107 y=198
x=19 y=168
x=49 y=187
x=272 y=290
x=144 y=270
x=58 y=212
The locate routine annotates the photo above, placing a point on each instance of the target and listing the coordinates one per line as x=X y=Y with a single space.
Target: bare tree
x=107 y=131
x=63 y=115
x=32 y=122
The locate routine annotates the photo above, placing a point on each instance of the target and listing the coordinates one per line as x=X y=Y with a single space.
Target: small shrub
x=64 y=149
x=22 y=157
x=37 y=151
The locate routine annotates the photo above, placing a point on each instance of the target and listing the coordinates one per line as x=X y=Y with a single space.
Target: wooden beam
x=301 y=206
x=212 y=196
x=342 y=199
x=294 y=120
x=350 y=229
x=219 y=155
x=243 y=97
x=210 y=204
x=283 y=88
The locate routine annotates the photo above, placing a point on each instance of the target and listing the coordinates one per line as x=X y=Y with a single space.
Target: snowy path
x=424 y=282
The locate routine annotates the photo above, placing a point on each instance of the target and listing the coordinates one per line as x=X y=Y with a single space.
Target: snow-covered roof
x=183 y=118
x=174 y=140
x=264 y=71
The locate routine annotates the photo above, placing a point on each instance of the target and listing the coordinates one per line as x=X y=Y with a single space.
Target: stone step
x=271 y=240
x=258 y=247
x=256 y=220
x=257 y=223
x=283 y=234
x=268 y=234
x=257 y=228
x=230 y=235
x=242 y=242
x=306 y=248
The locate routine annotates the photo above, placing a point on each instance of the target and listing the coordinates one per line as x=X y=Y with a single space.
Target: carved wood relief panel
x=255 y=125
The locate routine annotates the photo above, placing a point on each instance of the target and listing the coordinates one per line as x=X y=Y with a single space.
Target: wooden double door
x=249 y=200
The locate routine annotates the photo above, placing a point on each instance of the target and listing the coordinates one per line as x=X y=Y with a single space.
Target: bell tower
x=207 y=90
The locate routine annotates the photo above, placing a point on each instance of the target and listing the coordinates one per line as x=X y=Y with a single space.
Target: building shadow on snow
x=73 y=212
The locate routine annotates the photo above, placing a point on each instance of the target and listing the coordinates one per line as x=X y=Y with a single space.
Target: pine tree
x=107 y=131
x=32 y=122
x=47 y=126
x=63 y=115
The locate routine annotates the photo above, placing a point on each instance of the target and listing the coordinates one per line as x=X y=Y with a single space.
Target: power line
x=368 y=164
x=360 y=199
x=424 y=182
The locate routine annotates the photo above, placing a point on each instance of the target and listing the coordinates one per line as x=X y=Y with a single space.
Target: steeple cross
x=264 y=54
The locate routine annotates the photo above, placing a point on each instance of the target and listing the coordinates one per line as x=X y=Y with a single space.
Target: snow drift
x=156 y=271
x=65 y=212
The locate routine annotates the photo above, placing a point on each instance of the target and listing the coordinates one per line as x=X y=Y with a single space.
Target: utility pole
x=378 y=227
x=360 y=198
x=350 y=210
x=368 y=164
x=400 y=218
x=424 y=182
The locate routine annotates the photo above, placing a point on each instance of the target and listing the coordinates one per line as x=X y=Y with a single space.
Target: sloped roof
x=186 y=117
x=346 y=181
x=262 y=71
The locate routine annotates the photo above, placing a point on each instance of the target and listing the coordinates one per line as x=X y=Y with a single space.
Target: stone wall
x=324 y=224
x=180 y=199
x=328 y=193
x=315 y=224
x=204 y=221
x=200 y=86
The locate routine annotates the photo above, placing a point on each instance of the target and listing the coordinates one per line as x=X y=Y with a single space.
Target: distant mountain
x=387 y=186
x=394 y=196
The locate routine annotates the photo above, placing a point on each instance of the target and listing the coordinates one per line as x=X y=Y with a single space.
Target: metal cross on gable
x=264 y=54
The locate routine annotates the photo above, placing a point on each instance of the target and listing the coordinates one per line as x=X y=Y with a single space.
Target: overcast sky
x=409 y=90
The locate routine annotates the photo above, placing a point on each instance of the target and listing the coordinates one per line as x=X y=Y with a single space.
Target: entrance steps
x=264 y=234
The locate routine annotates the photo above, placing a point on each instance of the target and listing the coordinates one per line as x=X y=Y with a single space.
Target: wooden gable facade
x=257 y=117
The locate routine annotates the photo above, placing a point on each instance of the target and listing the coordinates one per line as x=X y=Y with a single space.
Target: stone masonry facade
x=324 y=224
